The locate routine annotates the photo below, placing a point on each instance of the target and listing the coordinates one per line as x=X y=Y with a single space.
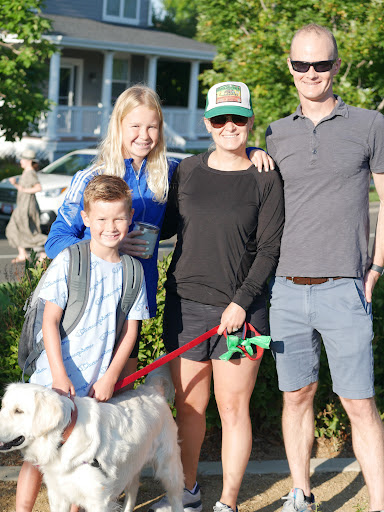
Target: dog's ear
x=49 y=412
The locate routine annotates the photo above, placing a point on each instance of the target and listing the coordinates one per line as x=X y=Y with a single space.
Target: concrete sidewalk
x=337 y=484
x=268 y=467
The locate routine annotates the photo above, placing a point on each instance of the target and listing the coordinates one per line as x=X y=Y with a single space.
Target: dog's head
x=28 y=412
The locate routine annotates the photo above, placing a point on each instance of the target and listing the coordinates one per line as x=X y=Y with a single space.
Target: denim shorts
x=185 y=320
x=336 y=312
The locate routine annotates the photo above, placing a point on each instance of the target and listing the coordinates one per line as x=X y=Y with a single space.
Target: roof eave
x=71 y=42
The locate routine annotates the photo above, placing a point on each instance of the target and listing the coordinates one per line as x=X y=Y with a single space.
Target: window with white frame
x=120 y=77
x=122 y=11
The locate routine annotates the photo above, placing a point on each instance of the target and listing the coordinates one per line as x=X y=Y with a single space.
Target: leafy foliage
x=23 y=66
x=9 y=167
x=12 y=299
x=151 y=343
x=179 y=17
x=253 y=40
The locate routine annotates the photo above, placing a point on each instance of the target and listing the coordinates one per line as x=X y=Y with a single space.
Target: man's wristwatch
x=377 y=268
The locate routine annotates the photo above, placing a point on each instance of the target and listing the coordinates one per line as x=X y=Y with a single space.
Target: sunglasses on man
x=220 y=121
x=320 y=66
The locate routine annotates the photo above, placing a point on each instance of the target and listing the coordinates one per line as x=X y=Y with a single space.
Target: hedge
x=266 y=402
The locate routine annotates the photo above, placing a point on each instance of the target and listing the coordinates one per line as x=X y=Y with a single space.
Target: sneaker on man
x=191 y=502
x=297 y=502
x=221 y=507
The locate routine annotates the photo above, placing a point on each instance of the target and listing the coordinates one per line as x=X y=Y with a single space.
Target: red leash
x=168 y=357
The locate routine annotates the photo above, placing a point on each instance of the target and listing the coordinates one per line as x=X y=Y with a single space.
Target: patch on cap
x=228 y=98
x=228 y=92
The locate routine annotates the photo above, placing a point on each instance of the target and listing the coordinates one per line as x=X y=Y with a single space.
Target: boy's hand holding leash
x=63 y=385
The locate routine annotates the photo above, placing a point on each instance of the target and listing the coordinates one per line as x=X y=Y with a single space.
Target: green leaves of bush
x=12 y=300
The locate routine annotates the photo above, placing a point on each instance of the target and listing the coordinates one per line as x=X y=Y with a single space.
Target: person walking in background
x=324 y=280
x=229 y=220
x=23 y=230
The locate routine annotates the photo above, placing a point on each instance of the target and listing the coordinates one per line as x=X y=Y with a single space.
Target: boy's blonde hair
x=108 y=189
x=110 y=157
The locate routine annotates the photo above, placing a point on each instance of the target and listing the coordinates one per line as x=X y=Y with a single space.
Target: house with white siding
x=103 y=47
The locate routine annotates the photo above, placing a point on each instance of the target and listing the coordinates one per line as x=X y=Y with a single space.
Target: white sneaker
x=191 y=502
x=296 y=502
x=221 y=507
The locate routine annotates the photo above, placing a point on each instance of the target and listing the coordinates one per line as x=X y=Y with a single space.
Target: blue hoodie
x=69 y=228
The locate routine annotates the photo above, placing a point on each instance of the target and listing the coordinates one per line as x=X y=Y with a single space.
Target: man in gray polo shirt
x=324 y=280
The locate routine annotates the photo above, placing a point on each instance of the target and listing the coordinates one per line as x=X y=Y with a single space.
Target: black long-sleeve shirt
x=229 y=225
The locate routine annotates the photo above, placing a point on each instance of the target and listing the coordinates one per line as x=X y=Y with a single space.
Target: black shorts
x=185 y=320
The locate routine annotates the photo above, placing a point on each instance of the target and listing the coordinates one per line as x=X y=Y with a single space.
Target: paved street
x=9 y=271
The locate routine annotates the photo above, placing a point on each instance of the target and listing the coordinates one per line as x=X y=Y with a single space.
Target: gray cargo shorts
x=335 y=311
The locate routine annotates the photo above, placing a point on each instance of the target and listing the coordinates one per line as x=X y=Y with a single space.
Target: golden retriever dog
x=90 y=452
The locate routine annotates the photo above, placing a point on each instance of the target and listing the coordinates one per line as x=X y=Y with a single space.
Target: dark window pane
x=130 y=9
x=113 y=7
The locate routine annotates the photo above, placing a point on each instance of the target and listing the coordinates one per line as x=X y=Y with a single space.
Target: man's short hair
x=108 y=189
x=320 y=31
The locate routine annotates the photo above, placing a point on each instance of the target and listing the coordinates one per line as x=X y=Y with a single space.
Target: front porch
x=96 y=61
x=68 y=124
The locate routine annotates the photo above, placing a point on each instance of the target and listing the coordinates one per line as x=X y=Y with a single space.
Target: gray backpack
x=31 y=343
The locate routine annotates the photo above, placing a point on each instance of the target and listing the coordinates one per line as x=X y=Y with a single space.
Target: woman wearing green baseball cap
x=229 y=219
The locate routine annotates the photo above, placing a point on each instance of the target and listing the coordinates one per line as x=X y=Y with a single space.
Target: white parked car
x=55 y=178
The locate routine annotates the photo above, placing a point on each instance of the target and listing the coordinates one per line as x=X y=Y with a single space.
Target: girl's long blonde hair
x=110 y=158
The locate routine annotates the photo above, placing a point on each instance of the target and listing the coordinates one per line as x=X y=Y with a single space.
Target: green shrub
x=12 y=299
x=9 y=167
x=266 y=402
x=151 y=343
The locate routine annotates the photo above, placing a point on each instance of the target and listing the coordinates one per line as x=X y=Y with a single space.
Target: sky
x=157 y=4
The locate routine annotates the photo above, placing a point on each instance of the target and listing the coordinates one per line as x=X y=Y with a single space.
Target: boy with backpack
x=88 y=361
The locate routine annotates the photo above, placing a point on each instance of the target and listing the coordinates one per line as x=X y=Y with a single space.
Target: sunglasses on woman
x=220 y=121
x=320 y=66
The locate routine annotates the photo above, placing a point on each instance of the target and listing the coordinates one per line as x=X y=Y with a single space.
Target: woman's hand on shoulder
x=232 y=319
x=133 y=246
x=261 y=160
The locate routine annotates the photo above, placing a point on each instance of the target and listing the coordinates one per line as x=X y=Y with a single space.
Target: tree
x=23 y=66
x=253 y=39
x=178 y=17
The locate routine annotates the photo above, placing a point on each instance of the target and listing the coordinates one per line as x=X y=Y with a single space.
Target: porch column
x=106 y=91
x=152 y=72
x=53 y=95
x=192 y=98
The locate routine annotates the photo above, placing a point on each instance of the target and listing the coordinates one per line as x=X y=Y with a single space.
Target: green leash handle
x=244 y=346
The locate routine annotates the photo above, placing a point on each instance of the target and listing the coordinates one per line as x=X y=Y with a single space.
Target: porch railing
x=87 y=122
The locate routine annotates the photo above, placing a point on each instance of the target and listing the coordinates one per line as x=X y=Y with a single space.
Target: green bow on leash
x=234 y=343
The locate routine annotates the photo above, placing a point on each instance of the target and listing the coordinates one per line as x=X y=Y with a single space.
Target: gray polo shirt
x=326 y=172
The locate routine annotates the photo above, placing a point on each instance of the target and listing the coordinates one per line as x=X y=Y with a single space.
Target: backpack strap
x=132 y=282
x=32 y=356
x=78 y=285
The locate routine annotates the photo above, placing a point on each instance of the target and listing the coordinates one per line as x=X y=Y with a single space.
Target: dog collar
x=71 y=425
